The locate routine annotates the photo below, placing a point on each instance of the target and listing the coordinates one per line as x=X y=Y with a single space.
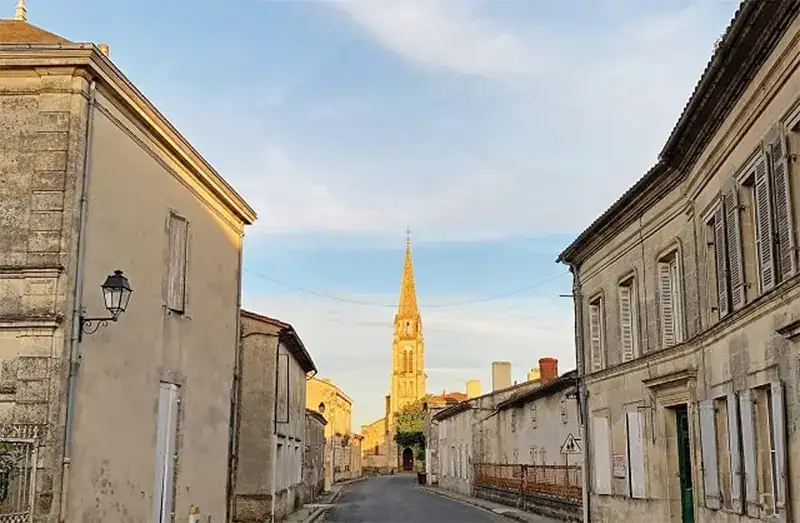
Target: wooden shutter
x=733 y=235
x=746 y=415
x=636 y=463
x=602 y=455
x=666 y=297
x=764 y=234
x=626 y=322
x=734 y=452
x=708 y=443
x=166 y=447
x=721 y=250
x=595 y=336
x=779 y=433
x=784 y=221
x=176 y=278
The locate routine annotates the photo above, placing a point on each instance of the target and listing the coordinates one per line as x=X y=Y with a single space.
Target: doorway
x=684 y=464
x=408 y=459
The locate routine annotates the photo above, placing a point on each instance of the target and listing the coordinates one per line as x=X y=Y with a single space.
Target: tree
x=409 y=423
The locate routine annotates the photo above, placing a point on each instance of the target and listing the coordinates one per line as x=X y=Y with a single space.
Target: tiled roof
x=19 y=32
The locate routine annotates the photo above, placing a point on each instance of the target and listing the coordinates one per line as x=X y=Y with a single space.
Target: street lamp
x=116 y=294
x=321 y=407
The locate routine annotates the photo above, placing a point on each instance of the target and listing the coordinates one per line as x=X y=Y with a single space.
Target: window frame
x=675 y=251
x=630 y=280
x=598 y=298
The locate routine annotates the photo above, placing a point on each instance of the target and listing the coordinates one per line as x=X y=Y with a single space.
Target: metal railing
x=558 y=481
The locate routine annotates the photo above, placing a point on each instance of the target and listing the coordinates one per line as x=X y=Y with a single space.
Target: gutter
x=77 y=305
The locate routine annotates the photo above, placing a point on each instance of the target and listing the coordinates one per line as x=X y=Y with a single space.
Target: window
x=176 y=274
x=602 y=455
x=669 y=285
x=636 y=467
x=166 y=449
x=408 y=361
x=533 y=415
x=782 y=219
x=282 y=392
x=596 y=334
x=628 y=321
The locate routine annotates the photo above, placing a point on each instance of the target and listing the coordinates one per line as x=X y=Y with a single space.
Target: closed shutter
x=166 y=445
x=626 y=322
x=779 y=435
x=176 y=274
x=721 y=250
x=735 y=452
x=595 y=336
x=784 y=222
x=749 y=453
x=602 y=455
x=636 y=454
x=764 y=235
x=734 y=240
x=666 y=304
x=708 y=443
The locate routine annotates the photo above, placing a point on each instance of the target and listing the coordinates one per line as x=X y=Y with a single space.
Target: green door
x=685 y=465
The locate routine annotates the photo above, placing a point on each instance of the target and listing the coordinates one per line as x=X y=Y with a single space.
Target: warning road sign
x=571 y=445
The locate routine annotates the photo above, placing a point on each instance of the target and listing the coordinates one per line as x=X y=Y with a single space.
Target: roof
x=330 y=383
x=750 y=37
x=316 y=415
x=20 y=32
x=564 y=381
x=289 y=337
x=467 y=404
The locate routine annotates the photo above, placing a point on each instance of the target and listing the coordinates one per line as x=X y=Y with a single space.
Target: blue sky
x=495 y=129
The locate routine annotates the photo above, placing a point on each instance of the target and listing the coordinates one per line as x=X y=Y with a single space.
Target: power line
x=392 y=306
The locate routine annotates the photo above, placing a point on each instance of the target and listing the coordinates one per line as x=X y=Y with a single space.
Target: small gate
x=19 y=446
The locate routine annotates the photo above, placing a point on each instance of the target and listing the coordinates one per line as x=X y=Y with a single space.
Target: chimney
x=104 y=48
x=473 y=388
x=548 y=370
x=533 y=375
x=501 y=375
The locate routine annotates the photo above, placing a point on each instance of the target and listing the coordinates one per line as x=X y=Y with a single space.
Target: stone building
x=686 y=298
x=346 y=456
x=271 y=420
x=314 y=456
x=107 y=420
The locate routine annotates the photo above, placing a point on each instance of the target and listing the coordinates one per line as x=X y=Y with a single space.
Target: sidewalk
x=497 y=508
x=310 y=512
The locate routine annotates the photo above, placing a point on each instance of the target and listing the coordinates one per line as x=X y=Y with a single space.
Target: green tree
x=408 y=426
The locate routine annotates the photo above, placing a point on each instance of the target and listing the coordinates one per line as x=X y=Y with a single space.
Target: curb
x=468 y=501
x=314 y=516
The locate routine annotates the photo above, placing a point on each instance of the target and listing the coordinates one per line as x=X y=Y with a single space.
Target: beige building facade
x=686 y=299
x=271 y=420
x=314 y=456
x=93 y=179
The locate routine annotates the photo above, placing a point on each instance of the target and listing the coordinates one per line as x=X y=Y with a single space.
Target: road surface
x=397 y=499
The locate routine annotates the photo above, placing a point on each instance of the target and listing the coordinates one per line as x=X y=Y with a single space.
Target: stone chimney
x=473 y=388
x=104 y=49
x=533 y=375
x=501 y=375
x=548 y=370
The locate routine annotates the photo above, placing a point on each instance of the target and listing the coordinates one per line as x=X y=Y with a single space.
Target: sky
x=496 y=130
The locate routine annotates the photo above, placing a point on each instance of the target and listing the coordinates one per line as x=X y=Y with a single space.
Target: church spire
x=407 y=307
x=21 y=12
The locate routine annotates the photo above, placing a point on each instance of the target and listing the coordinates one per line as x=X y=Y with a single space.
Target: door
x=685 y=464
x=166 y=436
x=408 y=459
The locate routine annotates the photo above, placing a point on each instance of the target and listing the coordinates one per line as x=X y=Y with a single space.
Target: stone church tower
x=408 y=351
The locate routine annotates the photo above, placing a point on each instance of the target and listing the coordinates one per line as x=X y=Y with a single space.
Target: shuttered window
x=166 y=449
x=670 y=300
x=176 y=271
x=764 y=232
x=734 y=453
x=721 y=261
x=708 y=445
x=596 y=338
x=602 y=455
x=628 y=323
x=749 y=463
x=778 y=444
x=636 y=466
x=786 y=255
x=733 y=237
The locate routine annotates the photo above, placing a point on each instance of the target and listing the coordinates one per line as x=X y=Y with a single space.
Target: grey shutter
x=166 y=439
x=602 y=455
x=784 y=221
x=734 y=240
x=626 y=322
x=176 y=282
x=765 y=238
x=735 y=452
x=749 y=470
x=595 y=335
x=779 y=433
x=636 y=463
x=721 y=250
x=666 y=303
x=708 y=443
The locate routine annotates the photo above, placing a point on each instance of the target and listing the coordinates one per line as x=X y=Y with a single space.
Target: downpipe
x=77 y=296
x=236 y=393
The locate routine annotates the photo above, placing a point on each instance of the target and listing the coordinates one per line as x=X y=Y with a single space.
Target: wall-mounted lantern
x=321 y=407
x=116 y=293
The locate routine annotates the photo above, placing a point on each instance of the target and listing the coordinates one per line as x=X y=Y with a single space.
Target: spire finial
x=408 y=235
x=21 y=12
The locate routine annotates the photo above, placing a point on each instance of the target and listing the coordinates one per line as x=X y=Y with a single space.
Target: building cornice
x=102 y=69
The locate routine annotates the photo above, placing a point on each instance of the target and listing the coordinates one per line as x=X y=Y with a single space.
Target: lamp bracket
x=91 y=325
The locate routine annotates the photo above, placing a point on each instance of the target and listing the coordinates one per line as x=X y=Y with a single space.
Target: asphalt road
x=396 y=499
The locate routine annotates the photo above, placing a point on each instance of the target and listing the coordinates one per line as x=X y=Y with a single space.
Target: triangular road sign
x=571 y=445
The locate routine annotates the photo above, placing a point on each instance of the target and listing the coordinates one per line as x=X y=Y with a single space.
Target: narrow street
x=397 y=499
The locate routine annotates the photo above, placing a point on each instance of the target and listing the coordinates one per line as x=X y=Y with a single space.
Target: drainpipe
x=236 y=386
x=77 y=304
x=577 y=300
